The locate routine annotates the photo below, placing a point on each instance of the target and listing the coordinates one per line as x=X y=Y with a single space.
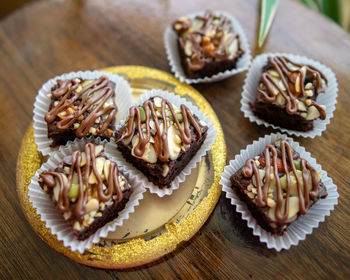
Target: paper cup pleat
x=328 y=98
x=171 y=47
x=122 y=98
x=53 y=217
x=129 y=169
x=305 y=224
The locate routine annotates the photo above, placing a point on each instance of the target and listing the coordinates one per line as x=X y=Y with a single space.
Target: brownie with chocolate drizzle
x=160 y=139
x=80 y=108
x=278 y=186
x=207 y=44
x=287 y=94
x=87 y=189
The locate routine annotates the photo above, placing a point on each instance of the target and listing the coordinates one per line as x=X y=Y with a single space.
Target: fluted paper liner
x=53 y=217
x=133 y=171
x=328 y=98
x=304 y=225
x=122 y=98
x=171 y=47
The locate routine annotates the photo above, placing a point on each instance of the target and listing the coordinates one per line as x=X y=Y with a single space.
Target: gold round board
x=142 y=238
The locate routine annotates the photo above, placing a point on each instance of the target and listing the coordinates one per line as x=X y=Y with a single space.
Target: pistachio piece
x=179 y=117
x=297 y=163
x=142 y=114
x=278 y=144
x=75 y=179
x=283 y=181
x=84 y=84
x=87 y=82
x=73 y=191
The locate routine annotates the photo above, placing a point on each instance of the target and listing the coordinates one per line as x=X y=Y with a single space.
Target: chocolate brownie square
x=87 y=189
x=274 y=179
x=287 y=94
x=80 y=108
x=207 y=44
x=160 y=139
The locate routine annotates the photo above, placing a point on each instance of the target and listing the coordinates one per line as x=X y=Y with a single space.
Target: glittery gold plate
x=158 y=225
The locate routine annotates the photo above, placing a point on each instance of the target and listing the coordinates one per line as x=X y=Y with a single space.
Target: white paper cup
x=131 y=171
x=304 y=225
x=328 y=98
x=53 y=217
x=171 y=47
x=122 y=98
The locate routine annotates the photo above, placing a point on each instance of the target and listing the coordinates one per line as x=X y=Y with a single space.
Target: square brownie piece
x=80 y=108
x=207 y=44
x=291 y=181
x=87 y=189
x=287 y=94
x=170 y=137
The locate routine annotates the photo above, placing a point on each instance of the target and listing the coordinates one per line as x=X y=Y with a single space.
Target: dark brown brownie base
x=153 y=171
x=240 y=184
x=210 y=68
x=276 y=115
x=109 y=214
x=61 y=137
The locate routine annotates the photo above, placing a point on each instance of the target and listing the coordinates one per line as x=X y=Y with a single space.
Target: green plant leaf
x=267 y=14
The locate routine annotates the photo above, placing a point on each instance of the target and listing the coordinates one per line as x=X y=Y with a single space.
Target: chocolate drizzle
x=50 y=178
x=211 y=41
x=284 y=165
x=288 y=89
x=86 y=106
x=161 y=137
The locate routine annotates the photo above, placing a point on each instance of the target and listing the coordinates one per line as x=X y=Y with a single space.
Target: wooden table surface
x=47 y=38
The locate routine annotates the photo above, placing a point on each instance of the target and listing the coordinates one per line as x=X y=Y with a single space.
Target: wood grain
x=47 y=38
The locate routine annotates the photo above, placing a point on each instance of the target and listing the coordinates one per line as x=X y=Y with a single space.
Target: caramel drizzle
x=304 y=195
x=197 y=61
x=66 y=90
x=63 y=203
x=288 y=76
x=162 y=137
